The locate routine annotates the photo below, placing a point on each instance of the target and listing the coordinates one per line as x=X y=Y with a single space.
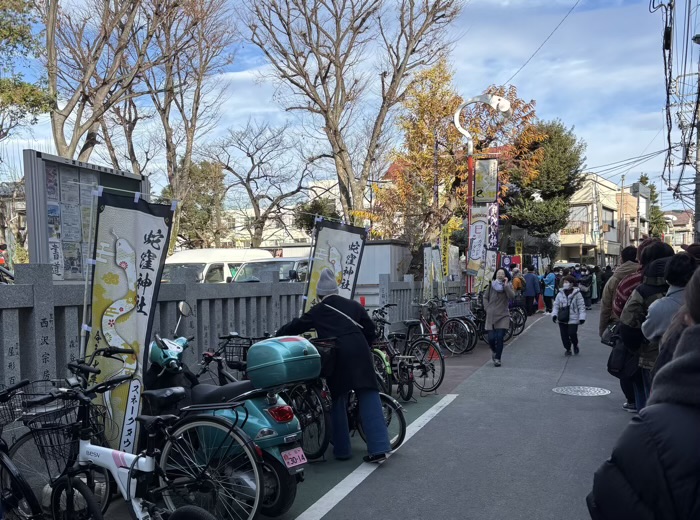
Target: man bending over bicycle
x=348 y=321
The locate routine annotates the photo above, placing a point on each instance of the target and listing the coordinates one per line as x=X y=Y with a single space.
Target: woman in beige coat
x=496 y=297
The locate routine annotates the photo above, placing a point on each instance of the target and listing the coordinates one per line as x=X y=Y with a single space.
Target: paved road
x=506 y=447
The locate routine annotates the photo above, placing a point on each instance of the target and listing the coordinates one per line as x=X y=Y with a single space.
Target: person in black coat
x=348 y=321
x=654 y=470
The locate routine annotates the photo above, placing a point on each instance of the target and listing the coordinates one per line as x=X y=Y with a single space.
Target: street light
x=500 y=104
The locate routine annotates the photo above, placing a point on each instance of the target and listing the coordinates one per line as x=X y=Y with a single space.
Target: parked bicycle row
x=230 y=438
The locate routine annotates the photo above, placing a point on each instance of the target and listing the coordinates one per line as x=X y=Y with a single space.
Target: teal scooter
x=270 y=422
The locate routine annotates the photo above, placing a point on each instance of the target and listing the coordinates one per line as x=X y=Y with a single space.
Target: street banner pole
x=499 y=104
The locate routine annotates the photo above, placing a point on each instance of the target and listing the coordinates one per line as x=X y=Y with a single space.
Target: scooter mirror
x=184 y=308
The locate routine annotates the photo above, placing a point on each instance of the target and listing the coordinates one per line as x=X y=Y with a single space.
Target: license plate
x=293 y=458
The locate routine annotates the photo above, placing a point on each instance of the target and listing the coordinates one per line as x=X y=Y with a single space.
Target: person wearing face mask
x=585 y=285
x=496 y=298
x=569 y=312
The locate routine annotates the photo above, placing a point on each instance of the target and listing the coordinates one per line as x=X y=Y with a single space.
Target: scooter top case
x=279 y=361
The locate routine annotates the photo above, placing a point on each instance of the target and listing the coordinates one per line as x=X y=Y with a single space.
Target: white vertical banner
x=131 y=244
x=438 y=271
x=428 y=275
x=339 y=248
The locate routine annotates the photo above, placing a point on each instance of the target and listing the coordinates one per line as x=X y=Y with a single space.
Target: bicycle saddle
x=153 y=421
x=397 y=335
x=164 y=396
x=209 y=394
x=411 y=323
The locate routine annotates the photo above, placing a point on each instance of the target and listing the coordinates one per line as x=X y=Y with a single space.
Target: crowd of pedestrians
x=651 y=317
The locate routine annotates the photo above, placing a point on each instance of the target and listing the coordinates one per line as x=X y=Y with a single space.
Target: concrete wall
x=40 y=323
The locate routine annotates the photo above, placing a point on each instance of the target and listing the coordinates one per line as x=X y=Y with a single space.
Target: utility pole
x=696 y=233
x=621 y=228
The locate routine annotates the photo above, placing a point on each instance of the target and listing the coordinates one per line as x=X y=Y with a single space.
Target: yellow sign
x=519 y=248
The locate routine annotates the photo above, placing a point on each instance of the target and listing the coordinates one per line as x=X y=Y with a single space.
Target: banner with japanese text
x=339 y=248
x=478 y=235
x=486 y=181
x=131 y=244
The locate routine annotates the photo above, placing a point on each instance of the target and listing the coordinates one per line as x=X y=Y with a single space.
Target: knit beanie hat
x=326 y=283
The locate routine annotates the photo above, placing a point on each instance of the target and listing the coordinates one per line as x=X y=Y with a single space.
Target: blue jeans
x=496 y=337
x=373 y=424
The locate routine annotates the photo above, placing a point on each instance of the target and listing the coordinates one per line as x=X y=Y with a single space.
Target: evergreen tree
x=540 y=203
x=657 y=222
x=305 y=214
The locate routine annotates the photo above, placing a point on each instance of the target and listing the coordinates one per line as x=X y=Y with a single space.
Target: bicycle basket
x=236 y=352
x=53 y=431
x=40 y=388
x=10 y=409
x=457 y=309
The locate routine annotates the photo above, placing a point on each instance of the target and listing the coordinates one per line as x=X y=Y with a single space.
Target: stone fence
x=41 y=323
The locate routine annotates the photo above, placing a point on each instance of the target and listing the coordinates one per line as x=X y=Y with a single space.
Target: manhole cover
x=585 y=391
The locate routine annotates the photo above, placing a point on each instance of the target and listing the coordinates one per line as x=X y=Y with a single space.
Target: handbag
x=611 y=335
x=564 y=313
x=622 y=363
x=328 y=352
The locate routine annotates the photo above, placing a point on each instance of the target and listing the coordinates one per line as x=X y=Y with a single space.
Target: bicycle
x=17 y=500
x=423 y=358
x=24 y=451
x=186 y=469
x=393 y=417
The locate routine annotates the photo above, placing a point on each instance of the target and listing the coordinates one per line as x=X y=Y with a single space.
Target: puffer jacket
x=607 y=316
x=577 y=310
x=654 y=470
x=652 y=288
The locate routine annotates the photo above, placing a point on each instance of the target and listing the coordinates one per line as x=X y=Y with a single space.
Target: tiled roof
x=683 y=217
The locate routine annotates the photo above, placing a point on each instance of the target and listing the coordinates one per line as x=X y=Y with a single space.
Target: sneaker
x=576 y=350
x=377 y=459
x=567 y=353
x=497 y=362
x=630 y=407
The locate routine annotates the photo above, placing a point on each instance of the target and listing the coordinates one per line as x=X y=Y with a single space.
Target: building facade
x=592 y=235
x=679 y=228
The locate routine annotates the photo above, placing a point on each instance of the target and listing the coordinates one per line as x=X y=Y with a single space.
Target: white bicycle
x=217 y=462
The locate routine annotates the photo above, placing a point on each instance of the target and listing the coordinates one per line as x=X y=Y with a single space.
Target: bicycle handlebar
x=85 y=369
x=6 y=393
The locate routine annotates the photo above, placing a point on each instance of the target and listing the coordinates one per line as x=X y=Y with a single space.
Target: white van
x=210 y=265
x=293 y=269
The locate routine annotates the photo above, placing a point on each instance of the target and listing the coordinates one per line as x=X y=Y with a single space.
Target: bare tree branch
x=319 y=48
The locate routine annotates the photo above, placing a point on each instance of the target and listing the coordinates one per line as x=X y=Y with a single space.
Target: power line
x=543 y=43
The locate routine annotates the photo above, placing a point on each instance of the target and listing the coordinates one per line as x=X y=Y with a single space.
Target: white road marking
x=328 y=501
x=525 y=330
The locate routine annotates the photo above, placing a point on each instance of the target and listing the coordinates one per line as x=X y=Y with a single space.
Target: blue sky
x=601 y=72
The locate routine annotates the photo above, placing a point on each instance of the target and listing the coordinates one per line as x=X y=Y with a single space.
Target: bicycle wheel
x=519 y=318
x=394 y=418
x=454 y=336
x=314 y=418
x=382 y=371
x=16 y=497
x=191 y=513
x=404 y=376
x=473 y=334
x=509 y=332
x=207 y=463
x=429 y=365
x=39 y=473
x=75 y=502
